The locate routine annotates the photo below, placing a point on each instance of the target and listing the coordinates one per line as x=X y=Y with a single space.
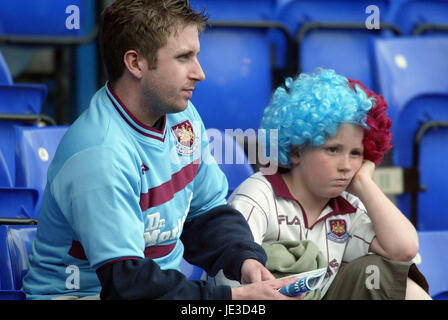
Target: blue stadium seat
x=39 y=18
x=412 y=77
x=19 y=98
x=236 y=10
x=238 y=81
x=12 y=295
x=192 y=272
x=35 y=149
x=23 y=99
x=432 y=260
x=230 y=156
x=333 y=34
x=15 y=247
x=18 y=203
x=5 y=75
x=19 y=104
x=5 y=174
x=236 y=55
x=422 y=17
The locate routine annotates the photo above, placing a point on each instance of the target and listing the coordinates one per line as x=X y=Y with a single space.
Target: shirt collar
x=339 y=204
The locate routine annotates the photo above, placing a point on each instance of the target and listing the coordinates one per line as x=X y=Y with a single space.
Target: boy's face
x=169 y=86
x=326 y=171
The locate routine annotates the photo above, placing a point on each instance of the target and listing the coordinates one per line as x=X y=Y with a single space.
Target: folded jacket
x=288 y=257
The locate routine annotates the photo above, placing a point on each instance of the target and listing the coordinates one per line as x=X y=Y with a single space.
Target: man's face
x=168 y=87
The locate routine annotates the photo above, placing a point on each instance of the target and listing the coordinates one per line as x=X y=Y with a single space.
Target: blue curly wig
x=309 y=109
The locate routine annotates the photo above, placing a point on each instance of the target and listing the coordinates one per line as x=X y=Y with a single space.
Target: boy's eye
x=331 y=149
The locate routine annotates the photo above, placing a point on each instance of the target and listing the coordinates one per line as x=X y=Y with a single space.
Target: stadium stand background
x=48 y=74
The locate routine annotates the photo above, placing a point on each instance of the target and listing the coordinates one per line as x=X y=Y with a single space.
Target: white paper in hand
x=307 y=281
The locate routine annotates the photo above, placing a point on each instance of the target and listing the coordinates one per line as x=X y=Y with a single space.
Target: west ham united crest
x=187 y=140
x=337 y=230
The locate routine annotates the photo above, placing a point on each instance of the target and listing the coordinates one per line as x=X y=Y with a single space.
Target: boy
x=331 y=133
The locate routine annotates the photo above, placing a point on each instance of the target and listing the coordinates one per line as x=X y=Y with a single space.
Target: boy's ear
x=294 y=155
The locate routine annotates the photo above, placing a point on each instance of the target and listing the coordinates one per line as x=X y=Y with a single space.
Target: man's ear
x=134 y=63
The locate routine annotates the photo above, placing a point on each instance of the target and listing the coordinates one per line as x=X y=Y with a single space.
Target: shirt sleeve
x=137 y=279
x=254 y=200
x=361 y=234
x=98 y=198
x=210 y=185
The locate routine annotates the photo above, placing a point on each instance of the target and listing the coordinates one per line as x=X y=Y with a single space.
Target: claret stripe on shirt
x=165 y=192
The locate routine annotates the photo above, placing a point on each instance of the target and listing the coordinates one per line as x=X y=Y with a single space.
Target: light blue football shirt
x=116 y=188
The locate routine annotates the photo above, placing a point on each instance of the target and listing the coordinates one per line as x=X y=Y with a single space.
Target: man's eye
x=183 y=56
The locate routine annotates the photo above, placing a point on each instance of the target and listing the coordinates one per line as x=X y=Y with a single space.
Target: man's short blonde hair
x=143 y=26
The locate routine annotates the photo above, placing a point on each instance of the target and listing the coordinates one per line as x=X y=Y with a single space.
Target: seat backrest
x=432 y=259
x=237 y=58
x=41 y=18
x=236 y=10
x=238 y=85
x=18 y=203
x=408 y=67
x=5 y=174
x=15 y=247
x=411 y=74
x=422 y=17
x=5 y=75
x=191 y=271
x=35 y=149
x=333 y=34
x=7 y=152
x=12 y=295
x=231 y=157
x=21 y=98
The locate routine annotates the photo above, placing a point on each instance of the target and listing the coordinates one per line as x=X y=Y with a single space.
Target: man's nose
x=198 y=74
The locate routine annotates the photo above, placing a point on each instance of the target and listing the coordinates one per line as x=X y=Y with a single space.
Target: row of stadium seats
x=47 y=18
x=28 y=141
x=410 y=72
x=259 y=42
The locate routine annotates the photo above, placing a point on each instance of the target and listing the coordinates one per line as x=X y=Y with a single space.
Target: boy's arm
x=396 y=237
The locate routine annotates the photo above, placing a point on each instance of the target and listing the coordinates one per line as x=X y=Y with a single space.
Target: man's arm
x=220 y=239
x=136 y=279
x=142 y=279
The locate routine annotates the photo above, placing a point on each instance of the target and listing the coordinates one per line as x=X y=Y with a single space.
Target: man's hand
x=265 y=290
x=254 y=271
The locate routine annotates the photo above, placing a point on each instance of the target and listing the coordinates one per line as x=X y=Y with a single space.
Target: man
x=132 y=188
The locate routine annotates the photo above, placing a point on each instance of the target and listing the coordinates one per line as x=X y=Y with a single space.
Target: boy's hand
x=364 y=174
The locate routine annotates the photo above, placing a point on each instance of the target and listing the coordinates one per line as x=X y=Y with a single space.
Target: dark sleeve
x=136 y=279
x=220 y=239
